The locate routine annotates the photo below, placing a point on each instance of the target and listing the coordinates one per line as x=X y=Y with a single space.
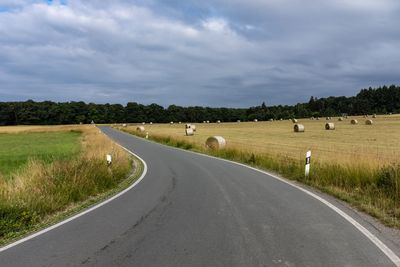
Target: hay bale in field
x=189 y=132
x=204 y=121
x=299 y=128
x=317 y=118
x=180 y=122
x=369 y=122
x=354 y=121
x=207 y=121
x=188 y=125
x=140 y=129
x=328 y=118
x=312 y=118
x=255 y=120
x=294 y=120
x=374 y=116
x=124 y=125
x=151 y=123
x=281 y=119
x=171 y=122
x=218 y=121
x=340 y=119
x=390 y=113
x=143 y=123
x=238 y=121
x=215 y=142
x=330 y=126
x=271 y=119
x=193 y=127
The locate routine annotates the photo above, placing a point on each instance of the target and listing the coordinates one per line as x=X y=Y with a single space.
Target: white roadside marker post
x=109 y=159
x=147 y=135
x=307 y=167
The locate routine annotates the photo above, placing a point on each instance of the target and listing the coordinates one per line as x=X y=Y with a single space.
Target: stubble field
x=356 y=163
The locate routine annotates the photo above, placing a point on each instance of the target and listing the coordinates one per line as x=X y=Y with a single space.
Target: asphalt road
x=191 y=210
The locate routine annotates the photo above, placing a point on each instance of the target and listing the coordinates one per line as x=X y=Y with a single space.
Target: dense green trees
x=367 y=101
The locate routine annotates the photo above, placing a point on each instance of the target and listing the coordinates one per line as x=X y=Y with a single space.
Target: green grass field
x=17 y=148
x=47 y=170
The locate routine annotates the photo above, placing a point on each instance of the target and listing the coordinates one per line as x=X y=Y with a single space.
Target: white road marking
x=85 y=211
x=385 y=249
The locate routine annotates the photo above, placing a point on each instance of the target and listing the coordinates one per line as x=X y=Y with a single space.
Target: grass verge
x=374 y=191
x=76 y=208
x=42 y=193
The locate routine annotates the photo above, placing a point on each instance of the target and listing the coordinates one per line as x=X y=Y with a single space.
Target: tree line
x=379 y=100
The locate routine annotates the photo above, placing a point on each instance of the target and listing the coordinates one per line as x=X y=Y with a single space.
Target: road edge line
x=375 y=240
x=20 y=241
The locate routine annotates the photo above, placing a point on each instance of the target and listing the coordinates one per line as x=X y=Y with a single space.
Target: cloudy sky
x=234 y=53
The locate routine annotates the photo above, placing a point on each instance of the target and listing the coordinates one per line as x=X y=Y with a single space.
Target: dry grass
x=40 y=188
x=357 y=163
x=41 y=129
x=373 y=145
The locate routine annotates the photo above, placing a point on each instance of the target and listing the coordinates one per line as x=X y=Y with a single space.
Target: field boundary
x=374 y=239
x=86 y=211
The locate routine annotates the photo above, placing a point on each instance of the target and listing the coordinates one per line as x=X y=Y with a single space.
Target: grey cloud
x=219 y=52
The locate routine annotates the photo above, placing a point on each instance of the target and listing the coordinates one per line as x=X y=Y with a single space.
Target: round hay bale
x=189 y=132
x=330 y=126
x=124 y=125
x=255 y=120
x=204 y=121
x=218 y=121
x=271 y=119
x=299 y=128
x=171 y=122
x=180 y=122
x=215 y=142
x=151 y=123
x=193 y=127
x=340 y=119
x=188 y=125
x=207 y=121
x=294 y=120
x=143 y=123
x=390 y=113
x=369 y=122
x=238 y=121
x=354 y=121
x=140 y=129
x=281 y=119
x=374 y=116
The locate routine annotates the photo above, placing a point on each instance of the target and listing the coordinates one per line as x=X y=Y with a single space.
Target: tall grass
x=370 y=189
x=40 y=188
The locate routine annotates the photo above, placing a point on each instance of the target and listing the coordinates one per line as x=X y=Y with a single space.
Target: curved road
x=191 y=210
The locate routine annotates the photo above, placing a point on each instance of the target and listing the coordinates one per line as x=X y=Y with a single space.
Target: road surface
x=191 y=210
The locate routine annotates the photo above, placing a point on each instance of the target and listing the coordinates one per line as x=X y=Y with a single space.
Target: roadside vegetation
x=47 y=171
x=356 y=163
